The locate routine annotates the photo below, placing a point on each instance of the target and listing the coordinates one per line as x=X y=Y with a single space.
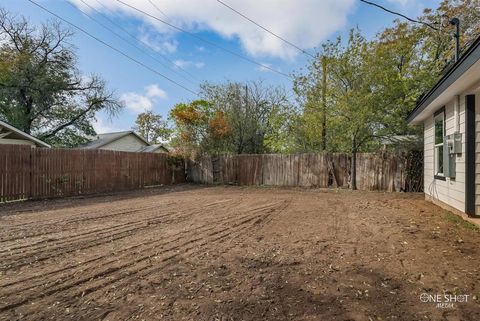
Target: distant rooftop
x=104 y=139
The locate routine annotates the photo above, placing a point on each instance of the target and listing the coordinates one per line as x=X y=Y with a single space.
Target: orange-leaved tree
x=200 y=128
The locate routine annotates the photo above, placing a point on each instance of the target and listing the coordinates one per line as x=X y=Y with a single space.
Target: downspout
x=456 y=22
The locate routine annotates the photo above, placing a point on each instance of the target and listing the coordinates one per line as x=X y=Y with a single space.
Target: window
x=439 y=134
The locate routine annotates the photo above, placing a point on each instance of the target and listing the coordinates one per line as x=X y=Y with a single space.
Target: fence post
x=30 y=174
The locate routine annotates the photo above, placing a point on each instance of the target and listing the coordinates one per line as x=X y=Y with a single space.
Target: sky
x=162 y=52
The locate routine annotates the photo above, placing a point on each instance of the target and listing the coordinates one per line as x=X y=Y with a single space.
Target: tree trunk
x=353 y=176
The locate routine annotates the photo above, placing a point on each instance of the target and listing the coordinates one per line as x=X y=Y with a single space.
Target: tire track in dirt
x=143 y=244
x=257 y=220
x=90 y=218
x=82 y=243
x=78 y=216
x=76 y=236
x=184 y=216
x=238 y=236
x=86 y=243
x=192 y=242
x=54 y=223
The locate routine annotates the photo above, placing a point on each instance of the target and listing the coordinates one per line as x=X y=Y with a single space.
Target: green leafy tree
x=253 y=111
x=234 y=118
x=312 y=89
x=42 y=92
x=152 y=127
x=353 y=96
x=356 y=118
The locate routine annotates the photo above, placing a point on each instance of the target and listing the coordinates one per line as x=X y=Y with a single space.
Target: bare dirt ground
x=230 y=253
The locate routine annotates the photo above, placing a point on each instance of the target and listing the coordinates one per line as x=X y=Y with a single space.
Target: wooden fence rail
x=27 y=173
x=375 y=171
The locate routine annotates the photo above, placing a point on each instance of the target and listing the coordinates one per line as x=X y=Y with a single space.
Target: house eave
x=437 y=94
x=24 y=135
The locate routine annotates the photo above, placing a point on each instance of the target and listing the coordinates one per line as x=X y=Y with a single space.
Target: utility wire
x=112 y=47
x=267 y=30
x=156 y=7
x=191 y=34
x=142 y=41
x=399 y=14
x=124 y=39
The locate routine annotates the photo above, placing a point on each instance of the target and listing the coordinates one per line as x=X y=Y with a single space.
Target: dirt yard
x=230 y=253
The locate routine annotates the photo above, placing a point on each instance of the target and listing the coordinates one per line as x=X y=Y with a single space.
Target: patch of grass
x=460 y=222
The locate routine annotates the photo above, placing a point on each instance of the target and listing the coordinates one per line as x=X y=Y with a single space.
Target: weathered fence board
x=375 y=171
x=27 y=173
x=14 y=172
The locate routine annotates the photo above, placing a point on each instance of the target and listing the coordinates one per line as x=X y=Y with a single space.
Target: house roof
x=104 y=139
x=456 y=71
x=399 y=139
x=152 y=148
x=23 y=135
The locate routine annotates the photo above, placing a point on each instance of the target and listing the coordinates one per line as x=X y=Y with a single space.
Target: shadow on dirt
x=294 y=291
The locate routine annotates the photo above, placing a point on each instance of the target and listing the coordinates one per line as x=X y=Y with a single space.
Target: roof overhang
x=463 y=75
x=24 y=135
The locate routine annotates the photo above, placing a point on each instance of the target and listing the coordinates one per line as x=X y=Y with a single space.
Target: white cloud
x=136 y=103
x=303 y=22
x=182 y=63
x=179 y=63
x=400 y=2
x=139 y=103
x=159 y=43
x=155 y=91
x=101 y=126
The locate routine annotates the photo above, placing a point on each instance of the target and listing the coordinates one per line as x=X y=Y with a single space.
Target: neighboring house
x=127 y=141
x=13 y=136
x=452 y=135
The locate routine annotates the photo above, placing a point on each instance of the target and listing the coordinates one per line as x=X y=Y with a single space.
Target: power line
x=399 y=14
x=112 y=47
x=140 y=41
x=267 y=30
x=205 y=40
x=156 y=7
x=122 y=38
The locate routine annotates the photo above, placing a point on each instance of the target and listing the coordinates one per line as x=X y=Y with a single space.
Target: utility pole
x=324 y=103
x=353 y=172
x=246 y=95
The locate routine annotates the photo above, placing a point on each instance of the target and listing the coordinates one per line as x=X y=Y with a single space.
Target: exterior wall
x=449 y=191
x=129 y=143
x=6 y=141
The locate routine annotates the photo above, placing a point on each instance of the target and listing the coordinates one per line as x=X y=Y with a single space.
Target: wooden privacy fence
x=375 y=171
x=33 y=173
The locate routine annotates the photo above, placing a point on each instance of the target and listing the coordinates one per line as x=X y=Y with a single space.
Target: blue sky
x=306 y=23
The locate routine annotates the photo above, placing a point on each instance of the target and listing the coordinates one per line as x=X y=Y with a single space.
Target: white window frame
x=437 y=159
